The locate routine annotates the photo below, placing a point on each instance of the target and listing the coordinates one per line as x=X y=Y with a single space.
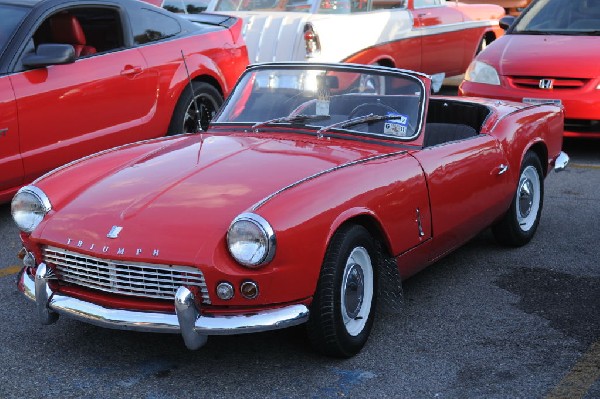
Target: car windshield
x=364 y=100
x=11 y=17
x=560 y=17
x=312 y=6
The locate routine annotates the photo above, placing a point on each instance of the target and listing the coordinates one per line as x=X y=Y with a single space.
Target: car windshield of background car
x=560 y=17
x=11 y=17
x=373 y=103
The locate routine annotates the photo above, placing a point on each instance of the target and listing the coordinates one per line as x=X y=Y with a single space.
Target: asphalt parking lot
x=486 y=322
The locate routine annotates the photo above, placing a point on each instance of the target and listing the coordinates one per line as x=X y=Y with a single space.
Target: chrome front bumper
x=187 y=320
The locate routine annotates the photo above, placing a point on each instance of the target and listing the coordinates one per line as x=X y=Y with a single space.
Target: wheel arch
x=540 y=149
x=372 y=225
x=386 y=62
x=211 y=81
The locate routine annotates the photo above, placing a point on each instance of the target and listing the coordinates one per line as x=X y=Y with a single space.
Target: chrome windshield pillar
x=43 y=294
x=187 y=314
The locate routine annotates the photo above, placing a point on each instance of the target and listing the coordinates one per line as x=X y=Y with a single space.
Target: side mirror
x=50 y=54
x=507 y=21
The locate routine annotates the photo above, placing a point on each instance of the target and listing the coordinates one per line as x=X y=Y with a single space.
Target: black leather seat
x=438 y=133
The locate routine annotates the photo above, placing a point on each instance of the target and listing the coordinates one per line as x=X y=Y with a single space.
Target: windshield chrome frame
x=343 y=67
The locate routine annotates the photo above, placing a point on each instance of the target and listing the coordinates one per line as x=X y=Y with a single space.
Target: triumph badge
x=114 y=232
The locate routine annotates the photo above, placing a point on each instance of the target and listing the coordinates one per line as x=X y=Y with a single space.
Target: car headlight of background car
x=251 y=240
x=28 y=208
x=480 y=72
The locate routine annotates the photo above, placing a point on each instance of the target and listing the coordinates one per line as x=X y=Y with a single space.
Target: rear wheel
x=343 y=308
x=189 y=119
x=519 y=224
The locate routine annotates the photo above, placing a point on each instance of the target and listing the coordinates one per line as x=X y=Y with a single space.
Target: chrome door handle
x=3 y=132
x=502 y=169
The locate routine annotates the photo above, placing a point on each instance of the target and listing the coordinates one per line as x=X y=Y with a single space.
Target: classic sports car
x=431 y=36
x=545 y=57
x=78 y=77
x=307 y=191
x=512 y=7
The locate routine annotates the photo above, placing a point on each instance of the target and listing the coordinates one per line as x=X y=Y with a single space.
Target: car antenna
x=196 y=109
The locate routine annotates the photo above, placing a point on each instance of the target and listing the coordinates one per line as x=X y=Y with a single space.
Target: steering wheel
x=377 y=108
x=368 y=108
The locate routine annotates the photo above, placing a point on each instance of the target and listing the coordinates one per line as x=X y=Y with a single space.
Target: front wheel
x=343 y=308
x=193 y=113
x=519 y=224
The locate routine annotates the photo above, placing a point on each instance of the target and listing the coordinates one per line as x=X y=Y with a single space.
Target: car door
x=11 y=166
x=468 y=188
x=97 y=102
x=442 y=44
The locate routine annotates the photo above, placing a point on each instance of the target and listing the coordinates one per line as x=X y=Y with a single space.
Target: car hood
x=533 y=55
x=182 y=197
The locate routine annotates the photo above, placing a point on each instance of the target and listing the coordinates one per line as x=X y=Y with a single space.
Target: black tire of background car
x=508 y=231
x=326 y=329
x=208 y=100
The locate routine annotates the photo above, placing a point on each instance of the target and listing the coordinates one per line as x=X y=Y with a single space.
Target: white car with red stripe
x=431 y=36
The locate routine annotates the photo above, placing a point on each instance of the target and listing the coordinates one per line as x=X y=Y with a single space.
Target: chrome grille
x=533 y=82
x=125 y=278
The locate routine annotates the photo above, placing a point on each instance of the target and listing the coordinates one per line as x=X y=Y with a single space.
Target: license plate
x=542 y=101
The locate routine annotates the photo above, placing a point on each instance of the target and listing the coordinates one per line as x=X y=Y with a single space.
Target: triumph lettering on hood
x=106 y=249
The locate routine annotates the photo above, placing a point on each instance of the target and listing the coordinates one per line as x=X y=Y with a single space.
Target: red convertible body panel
x=205 y=206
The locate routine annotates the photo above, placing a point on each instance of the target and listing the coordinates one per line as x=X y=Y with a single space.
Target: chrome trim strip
x=323 y=172
x=167 y=322
x=562 y=160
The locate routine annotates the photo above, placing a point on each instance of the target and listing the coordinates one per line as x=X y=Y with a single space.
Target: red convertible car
x=306 y=193
x=546 y=56
x=78 y=77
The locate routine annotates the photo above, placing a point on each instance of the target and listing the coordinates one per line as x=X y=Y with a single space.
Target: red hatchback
x=78 y=77
x=546 y=56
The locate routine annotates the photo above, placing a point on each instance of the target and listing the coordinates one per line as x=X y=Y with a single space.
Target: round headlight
x=480 y=72
x=251 y=240
x=28 y=208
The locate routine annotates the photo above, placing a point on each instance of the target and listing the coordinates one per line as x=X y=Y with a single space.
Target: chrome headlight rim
x=266 y=230
x=43 y=202
x=482 y=72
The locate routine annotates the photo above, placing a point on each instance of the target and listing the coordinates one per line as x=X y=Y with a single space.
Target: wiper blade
x=290 y=119
x=370 y=118
x=585 y=33
x=543 y=32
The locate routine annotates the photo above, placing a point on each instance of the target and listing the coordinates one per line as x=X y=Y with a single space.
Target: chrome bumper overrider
x=562 y=160
x=187 y=319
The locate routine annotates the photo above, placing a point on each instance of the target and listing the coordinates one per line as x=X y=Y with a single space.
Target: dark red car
x=77 y=77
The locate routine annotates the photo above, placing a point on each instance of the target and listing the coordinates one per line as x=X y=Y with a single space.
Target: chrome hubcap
x=357 y=291
x=525 y=198
x=354 y=290
x=528 y=198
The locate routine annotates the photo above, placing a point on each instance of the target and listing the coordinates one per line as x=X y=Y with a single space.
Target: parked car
x=309 y=192
x=431 y=36
x=512 y=7
x=78 y=77
x=545 y=57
